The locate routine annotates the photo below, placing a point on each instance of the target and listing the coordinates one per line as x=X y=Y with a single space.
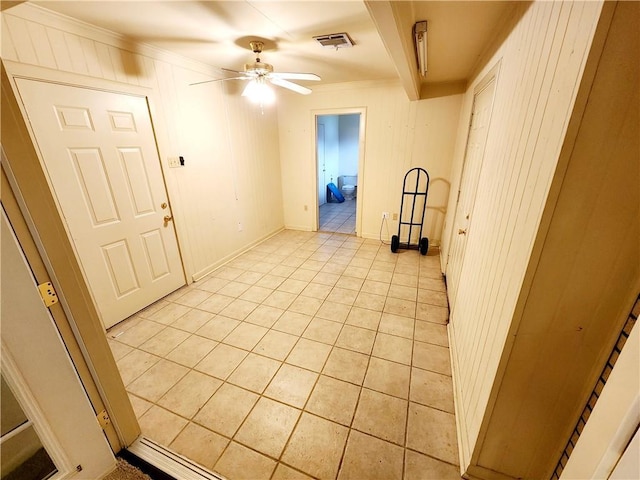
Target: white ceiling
x=218 y=33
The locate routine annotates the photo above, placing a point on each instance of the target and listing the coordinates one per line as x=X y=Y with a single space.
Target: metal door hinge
x=48 y=294
x=103 y=419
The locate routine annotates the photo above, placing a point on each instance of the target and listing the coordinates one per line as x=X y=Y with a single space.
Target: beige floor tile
x=432 y=389
x=284 y=472
x=334 y=400
x=169 y=313
x=140 y=406
x=334 y=268
x=119 y=350
x=156 y=381
x=356 y=339
x=429 y=283
x=397 y=325
x=245 y=336
x=431 y=357
x=388 y=377
x=134 y=364
x=309 y=354
x=405 y=293
x=239 y=309
x=316 y=446
x=371 y=458
x=350 y=283
x=432 y=432
x=356 y=272
x=226 y=410
x=217 y=328
x=316 y=290
x=305 y=305
x=304 y=273
x=283 y=271
x=142 y=331
x=265 y=316
x=192 y=320
x=431 y=333
x=161 y=425
x=325 y=278
x=407 y=266
x=314 y=265
x=200 y=445
x=276 y=345
x=335 y=312
x=191 y=351
x=370 y=301
x=228 y=273
x=404 y=279
x=193 y=297
x=421 y=467
x=256 y=294
x=249 y=278
x=432 y=313
x=346 y=365
x=363 y=317
x=291 y=285
x=377 y=275
x=342 y=295
x=254 y=373
x=292 y=322
x=280 y=299
x=390 y=347
x=153 y=308
x=375 y=287
x=215 y=303
x=439 y=299
x=381 y=415
x=268 y=427
x=221 y=361
x=212 y=284
x=188 y=395
x=270 y=281
x=234 y=289
x=363 y=259
x=164 y=341
x=324 y=331
x=406 y=308
x=240 y=463
x=291 y=385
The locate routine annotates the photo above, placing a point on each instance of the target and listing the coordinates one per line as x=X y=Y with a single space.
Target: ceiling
x=217 y=33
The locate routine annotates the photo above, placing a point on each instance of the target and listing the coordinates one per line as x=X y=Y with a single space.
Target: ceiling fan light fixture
x=257 y=91
x=335 y=40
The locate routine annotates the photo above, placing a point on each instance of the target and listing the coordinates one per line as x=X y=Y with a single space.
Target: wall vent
x=335 y=40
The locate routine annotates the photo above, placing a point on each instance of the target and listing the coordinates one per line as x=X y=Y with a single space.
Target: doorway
x=339 y=149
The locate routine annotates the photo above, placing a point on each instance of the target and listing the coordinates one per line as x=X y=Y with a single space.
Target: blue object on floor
x=336 y=193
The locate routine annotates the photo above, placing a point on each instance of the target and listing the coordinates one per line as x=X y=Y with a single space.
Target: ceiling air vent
x=334 y=40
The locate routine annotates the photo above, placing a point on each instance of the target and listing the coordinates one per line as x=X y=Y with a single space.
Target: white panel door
x=100 y=154
x=478 y=131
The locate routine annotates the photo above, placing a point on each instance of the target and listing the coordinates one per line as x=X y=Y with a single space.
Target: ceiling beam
x=391 y=22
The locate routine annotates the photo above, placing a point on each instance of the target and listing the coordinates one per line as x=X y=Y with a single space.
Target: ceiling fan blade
x=220 y=80
x=295 y=76
x=290 y=85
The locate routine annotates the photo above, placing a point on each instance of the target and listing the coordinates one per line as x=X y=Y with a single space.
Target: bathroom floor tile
x=431 y=357
x=324 y=331
x=293 y=323
x=161 y=425
x=164 y=341
x=192 y=320
x=309 y=354
x=335 y=312
x=381 y=415
x=356 y=339
x=421 y=467
x=432 y=389
x=390 y=347
x=245 y=336
x=188 y=395
x=217 y=328
x=291 y=385
x=346 y=365
x=364 y=317
x=156 y=381
x=240 y=463
x=397 y=325
x=432 y=432
x=432 y=333
x=254 y=373
x=388 y=377
x=276 y=345
x=334 y=400
x=221 y=361
x=191 y=351
x=265 y=316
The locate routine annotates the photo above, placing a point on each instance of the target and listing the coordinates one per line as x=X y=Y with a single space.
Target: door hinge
x=48 y=294
x=103 y=419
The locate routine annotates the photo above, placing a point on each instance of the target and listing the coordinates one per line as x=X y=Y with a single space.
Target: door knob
x=167 y=219
x=460 y=231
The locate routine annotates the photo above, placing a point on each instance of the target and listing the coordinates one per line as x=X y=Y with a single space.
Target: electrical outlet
x=174 y=162
x=385 y=214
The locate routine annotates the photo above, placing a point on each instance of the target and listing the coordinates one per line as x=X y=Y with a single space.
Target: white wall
x=232 y=172
x=542 y=57
x=331 y=147
x=399 y=135
x=349 y=133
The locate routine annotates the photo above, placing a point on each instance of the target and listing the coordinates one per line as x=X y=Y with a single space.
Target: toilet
x=348 y=185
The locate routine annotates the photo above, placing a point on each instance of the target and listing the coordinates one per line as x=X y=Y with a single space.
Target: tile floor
x=313 y=355
x=338 y=217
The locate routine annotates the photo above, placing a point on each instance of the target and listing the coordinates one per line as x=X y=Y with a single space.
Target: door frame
x=362 y=111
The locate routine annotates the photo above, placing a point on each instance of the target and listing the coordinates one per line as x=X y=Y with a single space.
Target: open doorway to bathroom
x=339 y=145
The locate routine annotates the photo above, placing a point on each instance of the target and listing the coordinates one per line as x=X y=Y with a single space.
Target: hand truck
x=414 y=190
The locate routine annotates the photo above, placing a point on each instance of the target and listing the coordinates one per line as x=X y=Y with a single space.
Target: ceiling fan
x=259 y=73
